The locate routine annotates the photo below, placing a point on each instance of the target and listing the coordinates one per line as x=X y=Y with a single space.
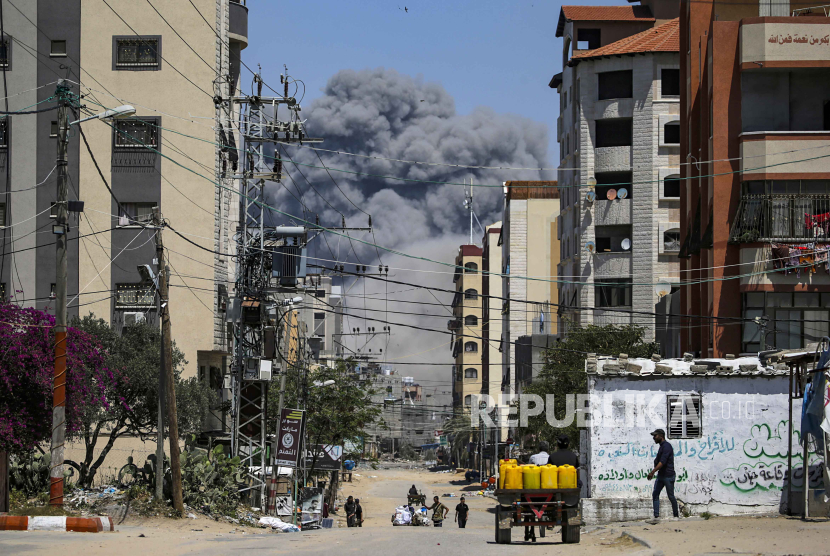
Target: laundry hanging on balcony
x=818 y=222
x=808 y=257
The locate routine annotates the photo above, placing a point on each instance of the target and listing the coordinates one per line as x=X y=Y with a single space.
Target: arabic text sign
x=288 y=439
x=328 y=457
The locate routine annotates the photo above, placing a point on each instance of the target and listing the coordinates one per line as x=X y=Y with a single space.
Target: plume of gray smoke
x=383 y=113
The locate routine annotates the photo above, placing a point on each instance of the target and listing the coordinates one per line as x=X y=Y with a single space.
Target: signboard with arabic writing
x=288 y=439
x=324 y=457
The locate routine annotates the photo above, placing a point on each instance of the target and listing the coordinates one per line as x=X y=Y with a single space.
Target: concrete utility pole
x=60 y=229
x=167 y=360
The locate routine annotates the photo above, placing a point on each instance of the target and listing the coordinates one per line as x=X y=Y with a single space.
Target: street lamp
x=124 y=111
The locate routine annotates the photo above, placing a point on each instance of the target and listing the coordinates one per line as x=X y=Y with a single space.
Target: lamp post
x=61 y=229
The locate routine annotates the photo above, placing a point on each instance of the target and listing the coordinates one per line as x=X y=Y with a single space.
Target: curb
x=639 y=540
x=56 y=523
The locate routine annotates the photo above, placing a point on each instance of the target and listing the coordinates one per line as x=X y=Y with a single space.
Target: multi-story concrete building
x=756 y=127
x=529 y=258
x=321 y=315
x=491 y=319
x=466 y=325
x=619 y=138
x=169 y=65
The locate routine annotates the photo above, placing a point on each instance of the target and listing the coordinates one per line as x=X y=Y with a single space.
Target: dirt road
x=383 y=489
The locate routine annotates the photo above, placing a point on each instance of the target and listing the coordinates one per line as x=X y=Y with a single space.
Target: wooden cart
x=419 y=499
x=538 y=507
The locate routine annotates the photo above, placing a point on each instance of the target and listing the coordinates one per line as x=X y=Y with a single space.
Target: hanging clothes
x=812 y=411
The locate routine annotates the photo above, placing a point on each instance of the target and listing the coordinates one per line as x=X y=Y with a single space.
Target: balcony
x=776 y=42
x=785 y=218
x=612 y=213
x=610 y=159
x=238 y=25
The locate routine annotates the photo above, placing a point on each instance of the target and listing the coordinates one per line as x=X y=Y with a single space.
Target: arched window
x=470 y=294
x=468 y=399
x=470 y=373
x=471 y=320
x=471 y=347
x=671 y=133
x=671 y=187
x=471 y=267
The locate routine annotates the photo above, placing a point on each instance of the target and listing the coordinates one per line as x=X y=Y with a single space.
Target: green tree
x=136 y=353
x=337 y=405
x=564 y=370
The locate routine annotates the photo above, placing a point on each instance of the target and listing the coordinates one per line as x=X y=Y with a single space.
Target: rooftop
x=602 y=13
x=648 y=368
x=664 y=38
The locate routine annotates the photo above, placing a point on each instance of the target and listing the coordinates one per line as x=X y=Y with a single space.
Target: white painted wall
x=739 y=463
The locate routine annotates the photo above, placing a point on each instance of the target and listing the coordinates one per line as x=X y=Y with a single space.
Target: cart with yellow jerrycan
x=543 y=496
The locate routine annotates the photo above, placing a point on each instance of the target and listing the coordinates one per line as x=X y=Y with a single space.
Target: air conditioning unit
x=258 y=369
x=134 y=318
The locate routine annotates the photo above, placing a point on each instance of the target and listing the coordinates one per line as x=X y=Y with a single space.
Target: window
x=2 y=215
x=53 y=129
x=671 y=133
x=614 y=84
x=135 y=214
x=684 y=415
x=470 y=373
x=471 y=320
x=612 y=292
x=2 y=291
x=4 y=133
x=135 y=134
x=5 y=54
x=671 y=187
x=319 y=324
x=671 y=241
x=613 y=239
x=670 y=82
x=470 y=294
x=58 y=49
x=471 y=268
x=468 y=399
x=588 y=39
x=137 y=54
x=794 y=319
x=612 y=180
x=134 y=295
x=613 y=133
x=52 y=293
x=471 y=347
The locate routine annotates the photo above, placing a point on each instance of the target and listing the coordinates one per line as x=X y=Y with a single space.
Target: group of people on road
x=354 y=512
x=440 y=511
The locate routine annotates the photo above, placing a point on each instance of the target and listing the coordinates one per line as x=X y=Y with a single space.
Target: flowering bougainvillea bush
x=26 y=375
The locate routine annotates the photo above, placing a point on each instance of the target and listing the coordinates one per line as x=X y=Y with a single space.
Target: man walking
x=664 y=468
x=461 y=511
x=439 y=512
x=358 y=513
x=350 y=508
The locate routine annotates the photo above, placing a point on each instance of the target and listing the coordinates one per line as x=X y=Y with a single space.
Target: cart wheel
x=570 y=533
x=502 y=535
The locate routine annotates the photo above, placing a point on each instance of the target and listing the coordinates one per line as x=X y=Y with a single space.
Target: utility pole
x=167 y=367
x=159 y=486
x=60 y=229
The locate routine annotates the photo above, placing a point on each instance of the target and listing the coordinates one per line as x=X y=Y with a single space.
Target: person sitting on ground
x=439 y=512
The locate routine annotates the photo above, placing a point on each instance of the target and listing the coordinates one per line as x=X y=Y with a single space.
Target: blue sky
x=496 y=53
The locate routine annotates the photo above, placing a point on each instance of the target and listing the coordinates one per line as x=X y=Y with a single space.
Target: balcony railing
x=782 y=218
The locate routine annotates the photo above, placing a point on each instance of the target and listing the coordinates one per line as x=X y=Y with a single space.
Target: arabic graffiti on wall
x=704 y=448
x=768 y=476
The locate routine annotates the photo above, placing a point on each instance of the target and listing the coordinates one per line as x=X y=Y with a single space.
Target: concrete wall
x=736 y=466
x=779 y=40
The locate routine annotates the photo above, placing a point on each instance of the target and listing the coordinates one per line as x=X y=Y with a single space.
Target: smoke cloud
x=383 y=113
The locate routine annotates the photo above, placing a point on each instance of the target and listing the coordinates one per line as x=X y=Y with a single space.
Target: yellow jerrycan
x=550 y=476
x=503 y=473
x=513 y=478
x=532 y=477
x=567 y=476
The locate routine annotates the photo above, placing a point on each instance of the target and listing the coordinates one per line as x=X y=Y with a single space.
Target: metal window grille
x=130 y=214
x=671 y=241
x=134 y=296
x=137 y=53
x=781 y=218
x=135 y=134
x=471 y=320
x=470 y=347
x=470 y=294
x=4 y=133
x=470 y=373
x=684 y=415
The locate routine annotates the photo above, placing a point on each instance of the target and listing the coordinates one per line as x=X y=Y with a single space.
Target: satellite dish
x=612 y=194
x=622 y=193
x=662 y=289
x=590 y=196
x=591 y=247
x=626 y=244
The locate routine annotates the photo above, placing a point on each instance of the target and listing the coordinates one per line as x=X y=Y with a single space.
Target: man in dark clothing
x=413 y=491
x=461 y=511
x=664 y=468
x=563 y=456
x=350 y=508
x=358 y=513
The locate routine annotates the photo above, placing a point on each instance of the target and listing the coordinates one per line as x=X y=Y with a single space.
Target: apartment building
x=530 y=253
x=321 y=317
x=169 y=65
x=619 y=137
x=754 y=200
x=491 y=319
x=467 y=347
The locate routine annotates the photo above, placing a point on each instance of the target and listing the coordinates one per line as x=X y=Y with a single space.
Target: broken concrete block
x=632 y=368
x=662 y=369
x=699 y=369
